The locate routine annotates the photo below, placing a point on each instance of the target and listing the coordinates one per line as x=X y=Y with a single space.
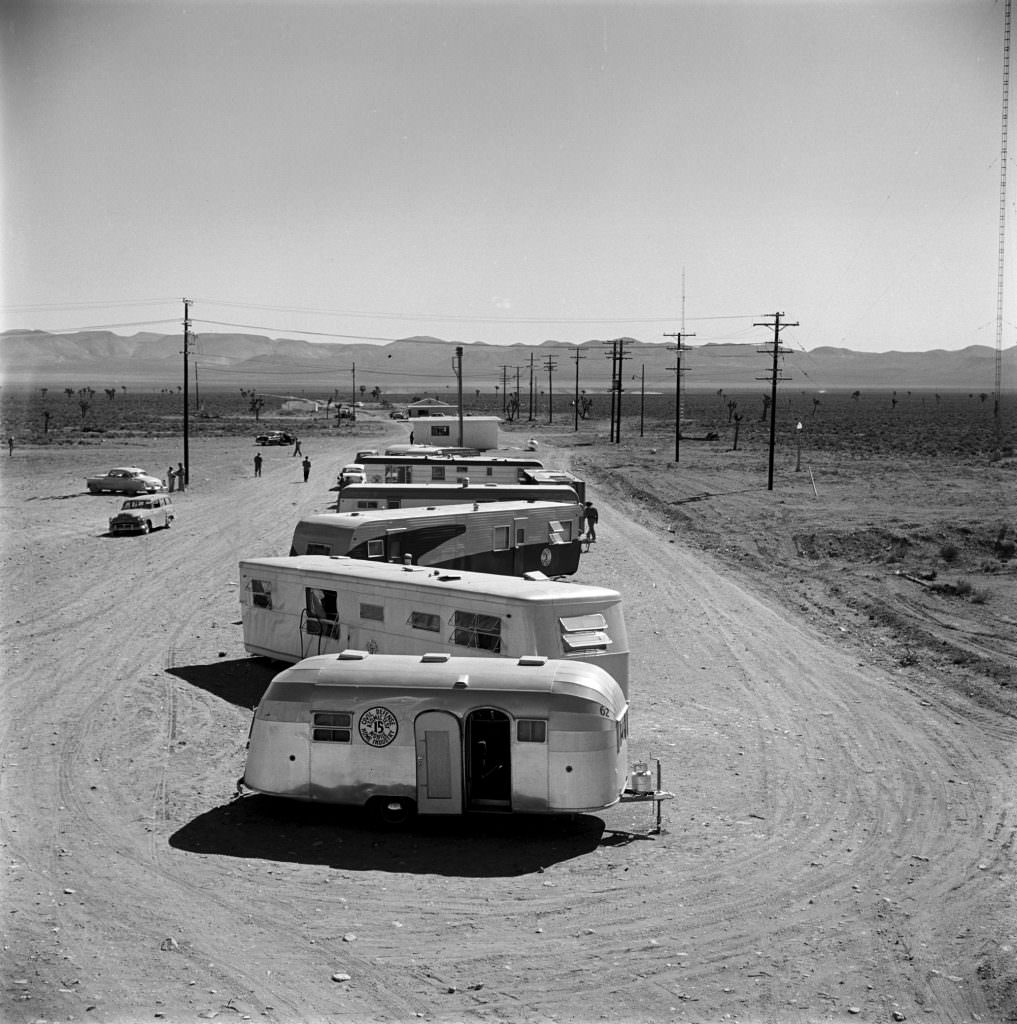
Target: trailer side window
x=332 y=726
x=502 y=538
x=318 y=549
x=531 y=730
x=482 y=632
x=520 y=536
x=437 y=472
x=372 y=611
x=367 y=503
x=425 y=620
x=376 y=548
x=585 y=633
x=440 y=430
x=261 y=593
x=560 y=532
x=322 y=611
x=623 y=729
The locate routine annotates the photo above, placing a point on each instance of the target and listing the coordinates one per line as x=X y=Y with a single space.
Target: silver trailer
x=505 y=537
x=441 y=735
x=293 y=608
x=369 y=496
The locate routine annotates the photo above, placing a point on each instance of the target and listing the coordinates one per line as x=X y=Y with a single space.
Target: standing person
x=257 y=464
x=171 y=479
x=592 y=516
x=10 y=445
x=296 y=447
x=307 y=468
x=181 y=478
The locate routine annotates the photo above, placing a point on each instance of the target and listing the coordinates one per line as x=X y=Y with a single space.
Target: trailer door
x=519 y=546
x=439 y=763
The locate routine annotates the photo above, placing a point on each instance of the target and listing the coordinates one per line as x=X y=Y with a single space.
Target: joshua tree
x=43 y=391
x=69 y=392
x=815 y=405
x=111 y=394
x=766 y=407
x=856 y=395
x=737 y=423
x=45 y=419
x=256 y=404
x=731 y=406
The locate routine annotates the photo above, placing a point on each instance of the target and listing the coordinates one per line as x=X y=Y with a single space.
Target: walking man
x=171 y=479
x=307 y=468
x=257 y=464
x=10 y=445
x=181 y=478
x=296 y=447
x=591 y=516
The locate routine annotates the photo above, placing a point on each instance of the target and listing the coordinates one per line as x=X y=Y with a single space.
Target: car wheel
x=391 y=812
x=146 y=527
x=94 y=490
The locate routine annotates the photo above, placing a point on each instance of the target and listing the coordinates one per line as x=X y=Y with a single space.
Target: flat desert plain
x=825 y=671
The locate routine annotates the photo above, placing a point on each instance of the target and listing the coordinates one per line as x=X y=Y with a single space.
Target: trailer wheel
x=392 y=812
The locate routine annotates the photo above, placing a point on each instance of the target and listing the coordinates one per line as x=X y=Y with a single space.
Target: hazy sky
x=507 y=172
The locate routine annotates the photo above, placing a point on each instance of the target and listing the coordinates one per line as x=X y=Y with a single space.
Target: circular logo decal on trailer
x=545 y=557
x=378 y=727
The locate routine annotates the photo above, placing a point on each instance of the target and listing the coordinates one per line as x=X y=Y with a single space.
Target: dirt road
x=840 y=846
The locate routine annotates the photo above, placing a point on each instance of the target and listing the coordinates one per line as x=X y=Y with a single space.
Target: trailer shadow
x=345 y=839
x=239 y=681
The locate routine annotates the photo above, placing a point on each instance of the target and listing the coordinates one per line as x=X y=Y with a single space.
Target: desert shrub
x=962 y=587
x=979 y=595
x=949 y=552
x=1005 y=549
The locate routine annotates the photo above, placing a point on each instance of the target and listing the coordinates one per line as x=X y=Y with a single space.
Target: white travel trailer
x=366 y=496
x=293 y=608
x=443 y=468
x=507 y=537
x=435 y=734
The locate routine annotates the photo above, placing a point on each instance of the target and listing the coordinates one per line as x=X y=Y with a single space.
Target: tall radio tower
x=1001 y=268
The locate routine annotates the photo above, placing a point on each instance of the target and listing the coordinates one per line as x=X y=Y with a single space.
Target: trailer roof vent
x=533 y=660
x=535 y=575
x=462 y=682
x=352 y=655
x=434 y=658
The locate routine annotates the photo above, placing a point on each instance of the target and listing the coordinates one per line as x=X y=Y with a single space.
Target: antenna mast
x=1001 y=273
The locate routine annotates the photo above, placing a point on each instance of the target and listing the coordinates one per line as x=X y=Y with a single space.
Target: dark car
x=275 y=437
x=396 y=415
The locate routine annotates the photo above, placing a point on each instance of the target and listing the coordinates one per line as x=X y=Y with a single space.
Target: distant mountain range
x=424 y=365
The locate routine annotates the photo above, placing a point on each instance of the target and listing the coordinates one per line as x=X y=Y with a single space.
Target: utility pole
x=531 y=388
x=353 y=406
x=773 y=377
x=575 y=404
x=642 y=398
x=459 y=377
x=677 y=335
x=618 y=351
x=550 y=366
x=504 y=387
x=1001 y=269
x=187 y=447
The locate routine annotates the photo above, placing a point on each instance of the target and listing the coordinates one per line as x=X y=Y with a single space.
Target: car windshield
x=138 y=504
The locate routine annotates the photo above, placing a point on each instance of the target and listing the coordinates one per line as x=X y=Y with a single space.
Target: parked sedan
x=125 y=480
x=141 y=515
x=275 y=437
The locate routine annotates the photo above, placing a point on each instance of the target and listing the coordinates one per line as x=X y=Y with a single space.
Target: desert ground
x=825 y=671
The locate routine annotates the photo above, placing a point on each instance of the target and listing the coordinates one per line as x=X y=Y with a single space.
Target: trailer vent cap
x=462 y=682
x=434 y=658
x=352 y=655
x=535 y=660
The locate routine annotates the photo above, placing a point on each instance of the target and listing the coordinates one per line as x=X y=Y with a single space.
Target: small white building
x=430 y=407
x=479 y=432
x=301 y=405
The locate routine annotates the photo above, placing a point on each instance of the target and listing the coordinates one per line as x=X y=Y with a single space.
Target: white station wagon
x=141 y=515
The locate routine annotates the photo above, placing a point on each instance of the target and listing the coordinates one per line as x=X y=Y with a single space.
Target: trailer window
x=531 y=730
x=318 y=549
x=502 y=538
x=367 y=503
x=332 y=726
x=440 y=430
x=623 y=729
x=482 y=632
x=322 y=611
x=561 y=531
x=261 y=593
x=585 y=633
x=437 y=472
x=425 y=620
x=372 y=611
x=376 y=548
